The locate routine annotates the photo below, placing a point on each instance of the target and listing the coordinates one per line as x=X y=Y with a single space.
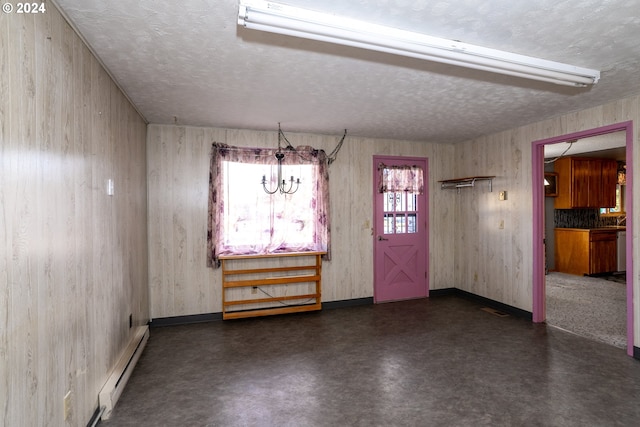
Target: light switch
x=110 y=188
x=502 y=195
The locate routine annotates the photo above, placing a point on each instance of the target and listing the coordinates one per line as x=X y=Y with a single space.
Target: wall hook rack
x=458 y=183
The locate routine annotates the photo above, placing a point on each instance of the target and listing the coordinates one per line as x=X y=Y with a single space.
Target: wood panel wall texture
x=178 y=170
x=468 y=248
x=497 y=263
x=73 y=260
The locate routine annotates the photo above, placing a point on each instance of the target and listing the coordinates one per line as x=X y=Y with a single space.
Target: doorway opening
x=585 y=282
x=539 y=258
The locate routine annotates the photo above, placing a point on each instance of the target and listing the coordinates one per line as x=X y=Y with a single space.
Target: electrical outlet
x=67 y=405
x=254 y=290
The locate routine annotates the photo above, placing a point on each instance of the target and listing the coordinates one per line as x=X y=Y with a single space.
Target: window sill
x=272 y=255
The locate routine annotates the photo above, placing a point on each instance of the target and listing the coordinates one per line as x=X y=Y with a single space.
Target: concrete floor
x=433 y=362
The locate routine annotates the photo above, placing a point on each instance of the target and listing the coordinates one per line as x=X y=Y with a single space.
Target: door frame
x=539 y=307
x=377 y=159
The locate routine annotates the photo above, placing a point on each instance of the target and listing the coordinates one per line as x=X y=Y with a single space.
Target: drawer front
x=598 y=236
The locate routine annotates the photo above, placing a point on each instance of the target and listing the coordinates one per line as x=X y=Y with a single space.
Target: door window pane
x=388 y=223
x=411 y=223
x=400 y=212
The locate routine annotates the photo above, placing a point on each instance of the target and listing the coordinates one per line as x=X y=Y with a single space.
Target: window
x=400 y=212
x=245 y=220
x=261 y=222
x=400 y=186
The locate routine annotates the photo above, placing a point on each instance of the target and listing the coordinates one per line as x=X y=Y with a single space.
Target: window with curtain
x=245 y=220
x=400 y=186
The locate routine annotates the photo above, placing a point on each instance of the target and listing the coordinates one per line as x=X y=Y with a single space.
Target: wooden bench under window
x=246 y=292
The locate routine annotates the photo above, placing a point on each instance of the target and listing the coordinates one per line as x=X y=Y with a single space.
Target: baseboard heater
x=118 y=378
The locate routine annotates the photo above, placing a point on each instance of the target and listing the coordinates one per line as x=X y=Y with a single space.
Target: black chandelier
x=282 y=186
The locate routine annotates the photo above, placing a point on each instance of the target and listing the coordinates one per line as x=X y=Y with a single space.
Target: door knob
x=381 y=238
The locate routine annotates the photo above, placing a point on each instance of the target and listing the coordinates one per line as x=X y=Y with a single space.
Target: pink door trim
x=537 y=147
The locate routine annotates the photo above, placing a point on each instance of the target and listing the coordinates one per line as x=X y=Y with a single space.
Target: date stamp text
x=34 y=7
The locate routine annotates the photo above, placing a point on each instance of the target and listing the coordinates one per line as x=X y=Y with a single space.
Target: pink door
x=401 y=236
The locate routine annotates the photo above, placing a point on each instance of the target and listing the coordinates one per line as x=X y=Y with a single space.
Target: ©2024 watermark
x=21 y=8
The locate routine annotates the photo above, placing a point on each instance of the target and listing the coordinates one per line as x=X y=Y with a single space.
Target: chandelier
x=283 y=187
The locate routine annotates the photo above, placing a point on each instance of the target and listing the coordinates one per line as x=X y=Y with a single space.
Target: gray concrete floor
x=433 y=362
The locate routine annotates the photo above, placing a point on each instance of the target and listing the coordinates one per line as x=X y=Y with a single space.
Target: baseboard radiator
x=118 y=378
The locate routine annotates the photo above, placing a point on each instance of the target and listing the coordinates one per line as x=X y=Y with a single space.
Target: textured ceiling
x=189 y=63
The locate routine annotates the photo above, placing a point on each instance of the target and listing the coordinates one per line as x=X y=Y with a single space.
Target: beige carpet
x=590 y=307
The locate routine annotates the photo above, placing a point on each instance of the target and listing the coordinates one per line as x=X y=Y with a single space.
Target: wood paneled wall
x=497 y=262
x=478 y=243
x=73 y=260
x=493 y=253
x=178 y=171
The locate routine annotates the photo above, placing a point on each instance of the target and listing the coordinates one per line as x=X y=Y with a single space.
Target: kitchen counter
x=584 y=251
x=605 y=228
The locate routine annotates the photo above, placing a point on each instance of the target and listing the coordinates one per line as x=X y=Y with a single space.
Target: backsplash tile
x=581 y=218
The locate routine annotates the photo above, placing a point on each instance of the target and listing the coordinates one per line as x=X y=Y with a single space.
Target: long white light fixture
x=282 y=19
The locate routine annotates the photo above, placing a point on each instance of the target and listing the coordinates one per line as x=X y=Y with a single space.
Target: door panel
x=401 y=238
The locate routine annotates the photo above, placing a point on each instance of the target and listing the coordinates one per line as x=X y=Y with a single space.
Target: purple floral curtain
x=245 y=220
x=401 y=178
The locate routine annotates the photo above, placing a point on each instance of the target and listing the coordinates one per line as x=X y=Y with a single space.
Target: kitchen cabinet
x=585 y=251
x=609 y=183
x=586 y=183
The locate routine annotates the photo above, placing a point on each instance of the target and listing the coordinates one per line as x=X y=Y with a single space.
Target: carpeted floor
x=591 y=307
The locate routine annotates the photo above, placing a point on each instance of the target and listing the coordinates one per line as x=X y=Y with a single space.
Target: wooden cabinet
x=586 y=183
x=602 y=252
x=609 y=183
x=584 y=251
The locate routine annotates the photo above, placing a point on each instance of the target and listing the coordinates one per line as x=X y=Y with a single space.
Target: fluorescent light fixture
x=282 y=19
